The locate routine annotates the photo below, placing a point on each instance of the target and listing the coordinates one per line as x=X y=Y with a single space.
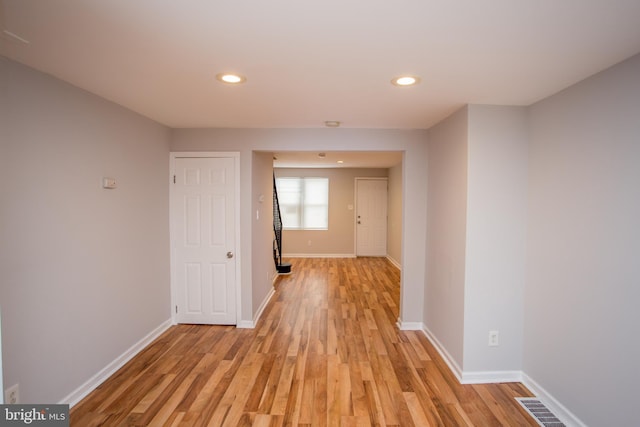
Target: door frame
x=355 y=212
x=235 y=155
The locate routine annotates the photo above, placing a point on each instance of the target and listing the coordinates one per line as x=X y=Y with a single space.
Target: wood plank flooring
x=326 y=352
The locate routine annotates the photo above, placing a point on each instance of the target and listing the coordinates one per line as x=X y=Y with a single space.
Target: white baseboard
x=318 y=255
x=488 y=377
x=92 y=383
x=491 y=377
x=559 y=410
x=471 y=377
x=245 y=324
x=263 y=305
x=451 y=363
x=394 y=262
x=251 y=324
x=409 y=326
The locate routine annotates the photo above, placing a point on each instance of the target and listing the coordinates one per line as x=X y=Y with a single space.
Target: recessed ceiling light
x=332 y=123
x=340 y=161
x=231 y=78
x=406 y=81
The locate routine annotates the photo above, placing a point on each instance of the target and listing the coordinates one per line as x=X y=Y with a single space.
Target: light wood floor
x=326 y=352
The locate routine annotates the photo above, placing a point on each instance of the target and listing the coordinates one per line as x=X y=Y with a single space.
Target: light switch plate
x=109 y=183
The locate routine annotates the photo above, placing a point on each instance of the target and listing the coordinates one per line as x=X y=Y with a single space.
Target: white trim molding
x=409 y=326
x=471 y=377
x=488 y=377
x=251 y=324
x=245 y=324
x=450 y=361
x=394 y=262
x=491 y=377
x=558 y=409
x=318 y=255
x=92 y=383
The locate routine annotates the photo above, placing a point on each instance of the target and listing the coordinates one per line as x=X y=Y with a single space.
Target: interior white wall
x=394 y=211
x=581 y=296
x=495 y=237
x=412 y=142
x=446 y=237
x=84 y=271
x=263 y=267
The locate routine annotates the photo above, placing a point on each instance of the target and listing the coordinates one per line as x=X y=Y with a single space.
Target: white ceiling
x=311 y=61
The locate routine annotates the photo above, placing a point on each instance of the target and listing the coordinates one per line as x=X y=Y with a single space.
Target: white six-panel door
x=203 y=258
x=371 y=217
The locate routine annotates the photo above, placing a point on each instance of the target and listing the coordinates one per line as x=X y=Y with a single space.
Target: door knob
x=229 y=254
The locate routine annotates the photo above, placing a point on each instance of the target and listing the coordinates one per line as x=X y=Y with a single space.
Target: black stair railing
x=277 y=226
x=277 y=230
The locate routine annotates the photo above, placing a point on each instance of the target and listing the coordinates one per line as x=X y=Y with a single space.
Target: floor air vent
x=539 y=412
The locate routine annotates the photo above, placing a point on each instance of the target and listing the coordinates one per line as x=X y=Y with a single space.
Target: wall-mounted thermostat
x=109 y=183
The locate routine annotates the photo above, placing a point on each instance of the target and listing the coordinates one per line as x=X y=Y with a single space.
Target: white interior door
x=203 y=261
x=371 y=217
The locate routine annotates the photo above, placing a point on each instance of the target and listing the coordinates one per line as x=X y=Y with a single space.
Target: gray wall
x=394 y=211
x=496 y=237
x=446 y=237
x=533 y=231
x=4 y=135
x=583 y=273
x=263 y=267
x=476 y=238
x=339 y=238
x=84 y=271
x=1 y=376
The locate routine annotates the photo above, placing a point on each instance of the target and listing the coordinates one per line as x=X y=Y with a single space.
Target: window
x=304 y=203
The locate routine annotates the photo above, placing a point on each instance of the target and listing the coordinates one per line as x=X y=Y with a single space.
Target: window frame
x=300 y=207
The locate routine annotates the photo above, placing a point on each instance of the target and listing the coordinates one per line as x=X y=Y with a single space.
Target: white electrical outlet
x=12 y=395
x=494 y=339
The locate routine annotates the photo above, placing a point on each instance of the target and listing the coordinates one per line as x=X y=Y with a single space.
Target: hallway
x=326 y=352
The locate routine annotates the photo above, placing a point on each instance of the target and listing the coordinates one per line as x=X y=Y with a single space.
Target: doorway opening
x=342 y=168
